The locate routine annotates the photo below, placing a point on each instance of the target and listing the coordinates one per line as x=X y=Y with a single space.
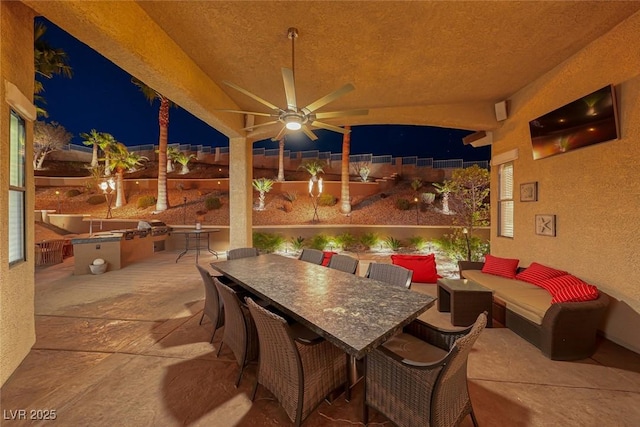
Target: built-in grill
x=159 y=228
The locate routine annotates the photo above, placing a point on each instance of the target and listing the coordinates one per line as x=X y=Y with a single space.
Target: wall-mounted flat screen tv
x=585 y=121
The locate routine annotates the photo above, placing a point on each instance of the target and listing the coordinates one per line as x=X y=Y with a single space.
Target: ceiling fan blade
x=261 y=125
x=253 y=113
x=328 y=98
x=334 y=114
x=330 y=127
x=289 y=88
x=312 y=136
x=250 y=95
x=280 y=134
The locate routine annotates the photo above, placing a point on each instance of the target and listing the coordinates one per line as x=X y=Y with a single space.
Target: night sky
x=101 y=96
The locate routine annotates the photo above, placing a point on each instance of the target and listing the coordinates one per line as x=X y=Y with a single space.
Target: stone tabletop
x=355 y=313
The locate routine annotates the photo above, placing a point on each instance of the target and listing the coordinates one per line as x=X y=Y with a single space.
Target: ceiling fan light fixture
x=293 y=122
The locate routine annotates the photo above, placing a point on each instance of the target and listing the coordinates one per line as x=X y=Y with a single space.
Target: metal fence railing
x=381 y=160
x=310 y=154
x=424 y=163
x=447 y=164
x=409 y=160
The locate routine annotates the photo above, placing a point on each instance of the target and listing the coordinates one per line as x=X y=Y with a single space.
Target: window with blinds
x=17 y=190
x=505 y=200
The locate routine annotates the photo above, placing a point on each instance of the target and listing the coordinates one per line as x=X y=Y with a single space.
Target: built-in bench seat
x=562 y=331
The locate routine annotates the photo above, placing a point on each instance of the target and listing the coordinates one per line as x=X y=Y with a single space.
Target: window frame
x=17 y=188
x=506 y=200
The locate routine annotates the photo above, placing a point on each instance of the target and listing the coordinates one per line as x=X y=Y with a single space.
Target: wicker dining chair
x=213 y=306
x=49 y=252
x=312 y=255
x=240 y=333
x=390 y=273
x=299 y=372
x=242 y=253
x=419 y=377
x=344 y=263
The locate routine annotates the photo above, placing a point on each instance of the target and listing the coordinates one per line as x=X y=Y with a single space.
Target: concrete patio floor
x=125 y=348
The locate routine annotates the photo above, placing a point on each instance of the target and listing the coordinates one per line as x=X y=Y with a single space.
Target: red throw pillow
x=327 y=257
x=423 y=266
x=537 y=273
x=505 y=267
x=569 y=288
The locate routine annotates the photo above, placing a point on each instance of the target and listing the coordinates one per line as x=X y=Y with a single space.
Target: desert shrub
x=345 y=241
x=212 y=203
x=290 y=196
x=369 y=240
x=319 y=241
x=428 y=198
x=146 y=201
x=268 y=242
x=96 y=199
x=454 y=246
x=297 y=243
x=393 y=243
x=419 y=243
x=327 y=200
x=72 y=193
x=403 y=204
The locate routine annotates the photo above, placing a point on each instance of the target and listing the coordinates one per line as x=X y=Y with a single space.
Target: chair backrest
x=450 y=391
x=312 y=255
x=389 y=273
x=50 y=252
x=212 y=302
x=344 y=263
x=242 y=253
x=280 y=365
x=237 y=334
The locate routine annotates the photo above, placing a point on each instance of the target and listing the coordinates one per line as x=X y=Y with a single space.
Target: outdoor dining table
x=354 y=313
x=196 y=235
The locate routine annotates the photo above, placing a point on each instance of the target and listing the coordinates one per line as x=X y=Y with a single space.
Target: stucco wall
x=17 y=327
x=594 y=191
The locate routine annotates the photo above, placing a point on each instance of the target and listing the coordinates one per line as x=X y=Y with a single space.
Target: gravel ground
x=376 y=210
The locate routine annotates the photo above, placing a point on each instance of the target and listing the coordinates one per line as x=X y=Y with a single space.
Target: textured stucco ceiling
x=438 y=56
x=442 y=63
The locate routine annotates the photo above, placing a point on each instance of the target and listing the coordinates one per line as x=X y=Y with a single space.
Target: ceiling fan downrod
x=292 y=34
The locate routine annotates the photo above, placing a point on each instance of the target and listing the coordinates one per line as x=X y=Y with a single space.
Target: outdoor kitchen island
x=118 y=248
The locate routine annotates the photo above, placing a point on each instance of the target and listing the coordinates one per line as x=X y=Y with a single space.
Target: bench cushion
x=524 y=299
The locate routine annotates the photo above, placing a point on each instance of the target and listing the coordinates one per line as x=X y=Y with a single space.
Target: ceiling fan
x=294 y=118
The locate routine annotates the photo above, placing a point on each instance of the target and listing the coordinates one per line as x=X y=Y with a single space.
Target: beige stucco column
x=17 y=321
x=240 y=193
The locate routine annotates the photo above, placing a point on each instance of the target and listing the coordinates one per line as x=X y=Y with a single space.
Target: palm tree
x=92 y=138
x=122 y=160
x=172 y=154
x=281 y=159
x=184 y=159
x=106 y=144
x=314 y=167
x=446 y=188
x=263 y=186
x=345 y=199
x=48 y=62
x=163 y=120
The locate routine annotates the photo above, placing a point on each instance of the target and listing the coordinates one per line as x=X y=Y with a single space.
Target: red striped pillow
x=537 y=273
x=505 y=267
x=569 y=288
